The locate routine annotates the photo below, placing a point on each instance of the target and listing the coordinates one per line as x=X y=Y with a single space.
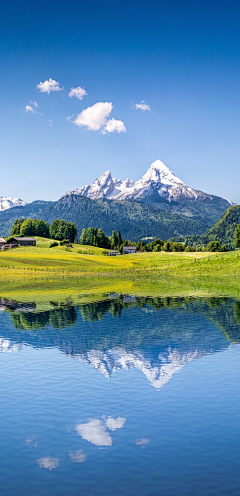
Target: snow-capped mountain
x=7 y=202
x=157 y=373
x=157 y=185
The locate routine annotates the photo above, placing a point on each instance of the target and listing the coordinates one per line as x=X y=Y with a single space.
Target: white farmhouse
x=129 y=249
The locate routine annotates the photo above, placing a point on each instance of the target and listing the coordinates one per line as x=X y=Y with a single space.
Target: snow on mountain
x=159 y=182
x=7 y=202
x=158 y=374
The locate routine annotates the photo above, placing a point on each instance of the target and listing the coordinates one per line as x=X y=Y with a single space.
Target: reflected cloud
x=32 y=441
x=77 y=456
x=48 y=462
x=7 y=346
x=142 y=442
x=115 y=423
x=96 y=431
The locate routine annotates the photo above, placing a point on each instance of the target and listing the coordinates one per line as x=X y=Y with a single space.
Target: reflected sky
x=120 y=396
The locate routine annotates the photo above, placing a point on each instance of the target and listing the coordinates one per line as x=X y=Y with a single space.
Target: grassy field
x=39 y=272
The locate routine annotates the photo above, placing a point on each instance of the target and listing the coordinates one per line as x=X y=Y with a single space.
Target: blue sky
x=182 y=58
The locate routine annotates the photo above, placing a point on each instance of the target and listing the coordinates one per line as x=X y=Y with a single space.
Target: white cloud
x=94 y=117
x=95 y=432
x=77 y=456
x=34 y=103
x=142 y=106
x=48 y=462
x=48 y=86
x=115 y=423
x=78 y=92
x=114 y=126
x=29 y=108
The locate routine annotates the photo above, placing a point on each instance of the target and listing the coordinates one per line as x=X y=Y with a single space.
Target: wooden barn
x=22 y=241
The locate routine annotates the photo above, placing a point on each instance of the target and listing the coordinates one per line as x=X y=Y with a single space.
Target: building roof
x=19 y=238
x=129 y=247
x=2 y=240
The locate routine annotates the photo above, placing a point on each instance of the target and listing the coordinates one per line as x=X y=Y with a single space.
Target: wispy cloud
x=31 y=109
x=96 y=117
x=48 y=86
x=142 y=442
x=142 y=106
x=77 y=92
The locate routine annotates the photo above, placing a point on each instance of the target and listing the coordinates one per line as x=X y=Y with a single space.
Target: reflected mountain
x=158 y=336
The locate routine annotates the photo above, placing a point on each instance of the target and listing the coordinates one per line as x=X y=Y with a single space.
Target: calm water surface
x=123 y=396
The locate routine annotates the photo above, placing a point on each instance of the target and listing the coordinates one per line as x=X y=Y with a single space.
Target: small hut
x=22 y=241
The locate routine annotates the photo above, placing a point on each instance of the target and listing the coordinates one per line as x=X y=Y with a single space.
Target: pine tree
x=83 y=237
x=119 y=239
x=113 y=240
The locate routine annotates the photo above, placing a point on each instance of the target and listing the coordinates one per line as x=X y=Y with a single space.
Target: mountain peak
x=159 y=172
x=158 y=164
x=158 y=185
x=7 y=202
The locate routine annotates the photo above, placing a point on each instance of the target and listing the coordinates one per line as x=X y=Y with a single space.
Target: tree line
x=94 y=236
x=59 y=229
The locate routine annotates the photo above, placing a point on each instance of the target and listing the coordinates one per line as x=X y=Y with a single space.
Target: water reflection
x=157 y=336
x=48 y=462
x=77 y=456
x=96 y=431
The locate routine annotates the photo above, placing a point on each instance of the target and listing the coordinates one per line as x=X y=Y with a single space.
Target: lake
x=120 y=395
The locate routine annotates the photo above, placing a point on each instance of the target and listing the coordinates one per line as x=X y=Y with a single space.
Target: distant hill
x=29 y=211
x=222 y=231
x=134 y=219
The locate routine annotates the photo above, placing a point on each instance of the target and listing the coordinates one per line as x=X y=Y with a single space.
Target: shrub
x=215 y=246
x=105 y=252
x=53 y=244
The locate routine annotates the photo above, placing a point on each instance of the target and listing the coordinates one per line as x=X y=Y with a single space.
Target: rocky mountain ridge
x=158 y=186
x=7 y=202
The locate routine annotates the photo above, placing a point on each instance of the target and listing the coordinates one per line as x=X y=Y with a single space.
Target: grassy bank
x=39 y=272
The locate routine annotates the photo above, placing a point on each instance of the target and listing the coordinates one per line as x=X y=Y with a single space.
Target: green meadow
x=41 y=273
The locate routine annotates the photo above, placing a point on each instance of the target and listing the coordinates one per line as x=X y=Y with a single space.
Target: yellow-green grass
x=43 y=273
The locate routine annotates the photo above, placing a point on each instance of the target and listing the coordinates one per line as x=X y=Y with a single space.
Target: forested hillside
x=135 y=220
x=222 y=231
x=31 y=210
